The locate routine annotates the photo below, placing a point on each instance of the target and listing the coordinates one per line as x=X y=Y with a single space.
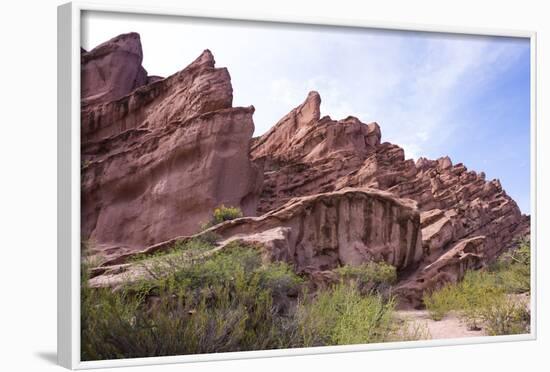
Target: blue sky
x=432 y=94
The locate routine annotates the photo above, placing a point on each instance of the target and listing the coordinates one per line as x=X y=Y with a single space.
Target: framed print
x=235 y=186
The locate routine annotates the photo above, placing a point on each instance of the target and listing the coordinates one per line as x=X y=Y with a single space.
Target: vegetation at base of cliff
x=342 y=316
x=488 y=298
x=231 y=301
x=180 y=249
x=371 y=276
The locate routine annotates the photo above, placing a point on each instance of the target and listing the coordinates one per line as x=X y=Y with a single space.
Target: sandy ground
x=448 y=327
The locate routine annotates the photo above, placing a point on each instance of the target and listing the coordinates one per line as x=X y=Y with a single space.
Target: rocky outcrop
x=305 y=153
x=324 y=231
x=198 y=89
x=158 y=160
x=315 y=233
x=449 y=267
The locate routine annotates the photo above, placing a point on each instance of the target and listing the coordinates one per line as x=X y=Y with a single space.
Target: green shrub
x=219 y=215
x=480 y=301
x=469 y=297
x=368 y=276
x=341 y=315
x=512 y=271
x=482 y=295
x=228 y=301
x=506 y=317
x=224 y=302
x=223 y=213
x=475 y=294
x=442 y=301
x=280 y=279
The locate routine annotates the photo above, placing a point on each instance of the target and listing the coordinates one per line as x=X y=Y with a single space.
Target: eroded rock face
x=305 y=153
x=346 y=227
x=317 y=233
x=158 y=160
x=198 y=89
x=449 y=267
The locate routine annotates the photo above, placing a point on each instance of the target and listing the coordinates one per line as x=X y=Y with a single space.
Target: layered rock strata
x=306 y=153
x=314 y=233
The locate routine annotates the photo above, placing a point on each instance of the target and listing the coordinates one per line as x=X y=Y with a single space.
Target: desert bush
x=480 y=301
x=341 y=315
x=440 y=302
x=199 y=300
x=512 y=271
x=469 y=298
x=475 y=294
x=506 y=316
x=224 y=302
x=223 y=213
x=219 y=215
x=369 y=276
x=481 y=296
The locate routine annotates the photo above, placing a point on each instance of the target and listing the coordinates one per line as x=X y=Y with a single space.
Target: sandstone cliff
x=156 y=161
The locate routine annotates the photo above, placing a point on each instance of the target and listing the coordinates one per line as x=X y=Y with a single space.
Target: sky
x=433 y=94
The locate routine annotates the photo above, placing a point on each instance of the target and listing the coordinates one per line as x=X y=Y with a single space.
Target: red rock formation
x=305 y=153
x=158 y=160
x=346 y=227
x=314 y=233
x=467 y=254
x=160 y=154
x=198 y=89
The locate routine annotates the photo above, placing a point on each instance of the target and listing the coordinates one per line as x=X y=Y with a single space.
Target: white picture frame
x=69 y=29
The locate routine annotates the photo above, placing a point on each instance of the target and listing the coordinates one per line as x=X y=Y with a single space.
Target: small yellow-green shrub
x=219 y=215
x=223 y=213
x=512 y=271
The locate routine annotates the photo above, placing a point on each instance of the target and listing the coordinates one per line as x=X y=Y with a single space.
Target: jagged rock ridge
x=304 y=153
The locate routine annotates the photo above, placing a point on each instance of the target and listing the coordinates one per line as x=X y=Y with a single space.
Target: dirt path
x=448 y=327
